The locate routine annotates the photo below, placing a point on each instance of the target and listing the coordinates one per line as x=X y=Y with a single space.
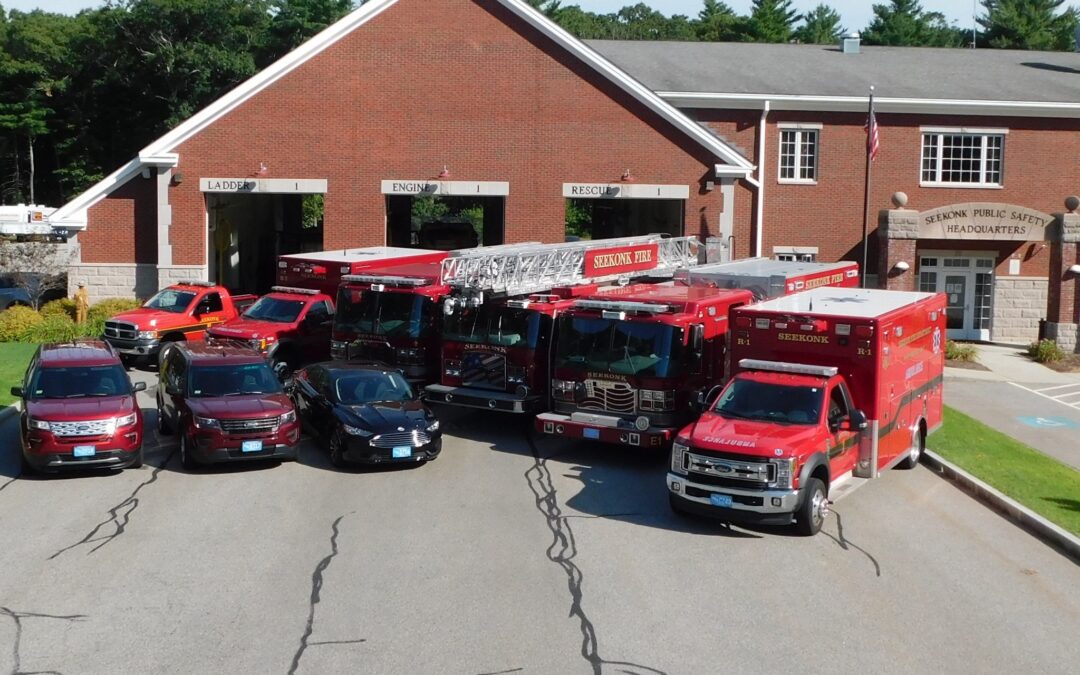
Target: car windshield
x=763 y=401
x=278 y=310
x=233 y=380
x=621 y=347
x=493 y=324
x=171 y=300
x=372 y=386
x=382 y=313
x=79 y=382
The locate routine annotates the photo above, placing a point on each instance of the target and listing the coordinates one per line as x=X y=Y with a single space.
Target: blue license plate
x=84 y=451
x=720 y=500
x=591 y=433
x=400 y=453
x=251 y=446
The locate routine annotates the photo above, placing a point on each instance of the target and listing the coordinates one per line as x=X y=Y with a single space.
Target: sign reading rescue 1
x=624 y=191
x=619 y=260
x=264 y=185
x=987 y=221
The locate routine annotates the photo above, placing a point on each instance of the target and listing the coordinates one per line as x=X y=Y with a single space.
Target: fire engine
x=629 y=364
x=499 y=321
x=323 y=270
x=831 y=387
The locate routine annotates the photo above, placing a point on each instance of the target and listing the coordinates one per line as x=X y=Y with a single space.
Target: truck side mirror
x=697 y=339
x=856 y=421
x=17 y=392
x=172 y=390
x=703 y=401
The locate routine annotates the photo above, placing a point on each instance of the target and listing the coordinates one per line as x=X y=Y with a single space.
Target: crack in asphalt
x=562 y=551
x=17 y=619
x=118 y=519
x=316 y=596
x=844 y=543
x=504 y=672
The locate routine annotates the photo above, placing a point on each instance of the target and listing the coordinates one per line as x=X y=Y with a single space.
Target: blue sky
x=856 y=13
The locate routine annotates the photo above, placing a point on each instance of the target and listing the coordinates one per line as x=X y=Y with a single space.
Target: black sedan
x=366 y=412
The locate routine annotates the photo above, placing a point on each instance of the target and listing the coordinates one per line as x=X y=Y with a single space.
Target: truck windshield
x=79 y=382
x=389 y=314
x=233 y=380
x=171 y=300
x=493 y=325
x=362 y=387
x=622 y=347
x=278 y=310
x=766 y=402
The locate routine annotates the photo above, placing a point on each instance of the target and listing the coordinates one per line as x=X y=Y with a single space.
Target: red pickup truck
x=181 y=312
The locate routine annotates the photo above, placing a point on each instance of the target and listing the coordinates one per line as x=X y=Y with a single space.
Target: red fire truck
x=323 y=270
x=498 y=325
x=767 y=278
x=832 y=386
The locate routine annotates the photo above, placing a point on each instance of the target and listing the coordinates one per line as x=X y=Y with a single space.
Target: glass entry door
x=968 y=284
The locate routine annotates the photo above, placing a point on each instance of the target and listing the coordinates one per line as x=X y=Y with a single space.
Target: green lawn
x=1040 y=483
x=13 y=359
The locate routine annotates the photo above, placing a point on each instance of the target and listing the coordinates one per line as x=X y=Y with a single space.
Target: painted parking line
x=1060 y=386
x=1059 y=398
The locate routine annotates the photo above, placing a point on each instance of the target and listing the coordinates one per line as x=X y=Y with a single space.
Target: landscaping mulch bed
x=967 y=365
x=1069 y=364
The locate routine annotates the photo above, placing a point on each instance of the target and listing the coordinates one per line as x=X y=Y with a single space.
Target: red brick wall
x=431 y=84
x=110 y=237
x=1063 y=304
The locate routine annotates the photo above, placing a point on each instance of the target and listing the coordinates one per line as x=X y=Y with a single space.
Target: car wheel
x=337 y=449
x=186 y=459
x=27 y=469
x=138 y=463
x=162 y=425
x=811 y=515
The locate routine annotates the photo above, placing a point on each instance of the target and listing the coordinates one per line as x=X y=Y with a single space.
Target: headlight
x=206 y=423
x=338 y=349
x=355 y=431
x=678 y=456
x=287 y=417
x=126 y=420
x=563 y=390
x=146 y=335
x=411 y=355
x=786 y=469
x=515 y=375
x=38 y=424
x=652 y=399
x=452 y=368
x=434 y=426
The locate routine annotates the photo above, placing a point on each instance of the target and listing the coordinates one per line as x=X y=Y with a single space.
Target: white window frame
x=939 y=132
x=799 y=129
x=796 y=253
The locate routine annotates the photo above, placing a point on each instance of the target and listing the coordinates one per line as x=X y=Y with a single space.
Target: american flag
x=873 y=138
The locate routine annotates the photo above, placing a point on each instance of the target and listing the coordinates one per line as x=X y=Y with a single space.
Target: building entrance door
x=968 y=283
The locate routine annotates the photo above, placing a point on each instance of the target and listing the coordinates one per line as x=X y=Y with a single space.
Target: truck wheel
x=186 y=460
x=811 y=515
x=676 y=506
x=918 y=444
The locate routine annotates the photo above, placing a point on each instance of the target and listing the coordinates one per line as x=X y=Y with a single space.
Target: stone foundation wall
x=1067 y=336
x=1019 y=304
x=169 y=275
x=107 y=280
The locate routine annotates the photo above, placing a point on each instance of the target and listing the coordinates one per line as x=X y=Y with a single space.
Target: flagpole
x=866 y=194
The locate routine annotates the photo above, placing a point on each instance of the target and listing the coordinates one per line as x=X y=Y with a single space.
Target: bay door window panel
x=798 y=154
x=962 y=159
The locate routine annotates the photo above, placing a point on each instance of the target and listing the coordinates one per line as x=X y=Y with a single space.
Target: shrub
x=15 y=320
x=55 y=328
x=1045 y=351
x=955 y=351
x=59 y=307
x=103 y=309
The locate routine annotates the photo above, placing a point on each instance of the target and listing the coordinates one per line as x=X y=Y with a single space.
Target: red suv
x=226 y=403
x=79 y=409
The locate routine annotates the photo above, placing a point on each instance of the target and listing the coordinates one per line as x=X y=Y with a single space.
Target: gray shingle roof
x=823 y=70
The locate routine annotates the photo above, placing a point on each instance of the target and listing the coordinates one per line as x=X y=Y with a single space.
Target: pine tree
x=1028 y=24
x=717 y=22
x=772 y=21
x=821 y=26
x=906 y=23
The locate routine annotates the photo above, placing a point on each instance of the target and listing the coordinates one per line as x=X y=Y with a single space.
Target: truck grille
x=400 y=439
x=483 y=369
x=617 y=397
x=730 y=472
x=241 y=427
x=120 y=329
x=91 y=428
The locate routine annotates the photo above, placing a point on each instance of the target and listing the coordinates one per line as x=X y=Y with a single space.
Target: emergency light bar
x=781 y=367
x=204 y=284
x=297 y=291
x=615 y=306
x=391 y=280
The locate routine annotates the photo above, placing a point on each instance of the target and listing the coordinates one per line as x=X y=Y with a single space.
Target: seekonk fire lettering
x=622 y=259
x=825 y=281
x=800 y=337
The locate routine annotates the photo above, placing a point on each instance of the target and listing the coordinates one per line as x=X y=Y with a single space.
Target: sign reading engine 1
x=620 y=260
x=984 y=220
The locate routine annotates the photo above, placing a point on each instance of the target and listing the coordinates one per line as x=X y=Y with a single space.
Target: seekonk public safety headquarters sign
x=985 y=221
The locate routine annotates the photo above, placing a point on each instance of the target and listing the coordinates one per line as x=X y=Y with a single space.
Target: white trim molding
x=459 y=188
x=974 y=131
x=812 y=126
x=624 y=191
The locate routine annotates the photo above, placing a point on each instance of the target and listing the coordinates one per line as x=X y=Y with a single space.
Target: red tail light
x=742 y=322
x=864 y=331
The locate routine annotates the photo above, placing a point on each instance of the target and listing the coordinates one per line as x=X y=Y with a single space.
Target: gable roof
x=162 y=151
x=822 y=77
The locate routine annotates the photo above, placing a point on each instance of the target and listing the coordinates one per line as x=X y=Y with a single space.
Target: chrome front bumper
x=773 y=502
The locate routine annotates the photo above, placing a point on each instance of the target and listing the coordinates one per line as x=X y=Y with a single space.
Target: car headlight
x=434 y=426
x=515 y=375
x=452 y=368
x=678 y=456
x=126 y=420
x=38 y=424
x=412 y=355
x=786 y=469
x=146 y=335
x=287 y=417
x=206 y=423
x=355 y=431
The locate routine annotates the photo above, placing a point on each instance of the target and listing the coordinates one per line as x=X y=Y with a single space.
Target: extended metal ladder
x=535 y=268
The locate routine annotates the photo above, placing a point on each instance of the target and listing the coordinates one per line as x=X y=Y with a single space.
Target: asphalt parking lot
x=506 y=555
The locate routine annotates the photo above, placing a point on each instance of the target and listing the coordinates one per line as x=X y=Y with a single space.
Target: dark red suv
x=226 y=404
x=79 y=409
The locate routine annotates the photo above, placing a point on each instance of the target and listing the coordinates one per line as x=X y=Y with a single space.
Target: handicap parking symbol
x=1050 y=422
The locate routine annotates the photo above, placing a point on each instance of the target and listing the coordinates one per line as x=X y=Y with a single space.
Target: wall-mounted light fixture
x=1075 y=269
x=146 y=172
x=627 y=177
x=445 y=173
x=901 y=266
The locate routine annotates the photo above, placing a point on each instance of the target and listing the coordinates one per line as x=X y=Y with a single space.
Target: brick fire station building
x=488 y=106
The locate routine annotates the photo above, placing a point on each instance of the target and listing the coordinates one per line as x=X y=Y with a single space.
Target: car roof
x=203 y=354
x=87 y=352
x=339 y=368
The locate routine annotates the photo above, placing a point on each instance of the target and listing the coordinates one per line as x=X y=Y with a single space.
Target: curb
x=10 y=411
x=1033 y=523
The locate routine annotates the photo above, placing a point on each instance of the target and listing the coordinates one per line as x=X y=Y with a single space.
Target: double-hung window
x=963 y=157
x=799 y=152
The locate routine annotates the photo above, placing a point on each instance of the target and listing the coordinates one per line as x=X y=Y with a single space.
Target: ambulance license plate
x=251 y=446
x=84 y=451
x=720 y=500
x=401 y=453
x=591 y=433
